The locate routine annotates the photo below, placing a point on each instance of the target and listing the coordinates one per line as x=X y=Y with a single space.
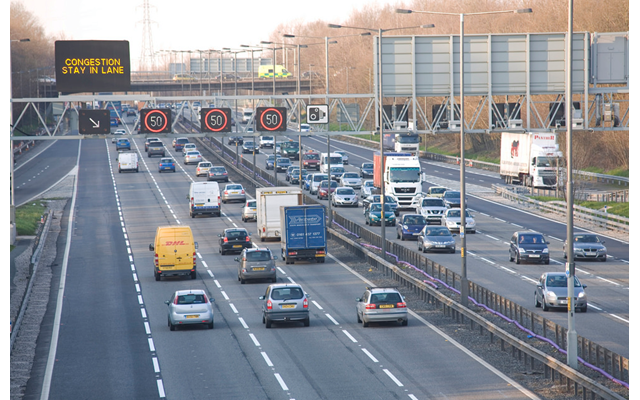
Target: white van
x=127 y=162
x=204 y=198
x=315 y=182
x=326 y=162
x=247 y=113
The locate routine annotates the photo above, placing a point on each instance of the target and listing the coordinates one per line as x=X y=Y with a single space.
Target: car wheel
x=268 y=323
x=193 y=274
x=157 y=275
x=547 y=262
x=604 y=259
x=172 y=327
x=510 y=257
x=402 y=237
x=545 y=307
x=405 y=322
x=358 y=317
x=536 y=303
x=306 y=322
x=583 y=309
x=274 y=280
x=263 y=320
x=243 y=281
x=364 y=323
x=210 y=325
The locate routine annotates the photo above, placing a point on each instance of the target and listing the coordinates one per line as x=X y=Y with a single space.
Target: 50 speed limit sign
x=271 y=119
x=155 y=120
x=215 y=120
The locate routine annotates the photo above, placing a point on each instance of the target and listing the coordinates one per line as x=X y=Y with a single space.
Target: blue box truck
x=304 y=235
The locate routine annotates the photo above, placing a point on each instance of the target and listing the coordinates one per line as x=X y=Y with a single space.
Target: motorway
x=114 y=341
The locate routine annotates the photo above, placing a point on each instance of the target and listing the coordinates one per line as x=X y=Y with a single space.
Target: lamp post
x=13 y=205
x=380 y=31
x=326 y=54
x=253 y=102
x=235 y=88
x=464 y=284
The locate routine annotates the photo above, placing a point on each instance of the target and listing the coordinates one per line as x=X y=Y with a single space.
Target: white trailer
x=529 y=158
x=268 y=202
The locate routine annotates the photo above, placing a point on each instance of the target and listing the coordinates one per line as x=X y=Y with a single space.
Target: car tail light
x=293 y=253
x=155 y=259
x=242 y=191
x=401 y=305
x=248 y=239
x=226 y=192
x=319 y=251
x=175 y=301
x=371 y=306
x=305 y=303
x=226 y=240
x=269 y=305
x=194 y=258
x=192 y=199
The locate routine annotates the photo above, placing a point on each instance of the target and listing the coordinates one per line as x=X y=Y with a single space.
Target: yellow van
x=175 y=252
x=266 y=71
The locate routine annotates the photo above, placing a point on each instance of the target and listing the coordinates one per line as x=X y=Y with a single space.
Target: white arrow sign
x=95 y=124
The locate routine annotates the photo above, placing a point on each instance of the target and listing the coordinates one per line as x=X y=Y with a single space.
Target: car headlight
x=581 y=295
x=405 y=227
x=451 y=223
x=471 y=223
x=545 y=251
x=551 y=295
x=602 y=250
x=521 y=250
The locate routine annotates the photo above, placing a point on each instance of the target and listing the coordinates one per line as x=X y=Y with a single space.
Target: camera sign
x=155 y=120
x=318 y=114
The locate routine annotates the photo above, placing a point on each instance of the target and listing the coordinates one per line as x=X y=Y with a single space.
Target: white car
x=203 y=168
x=187 y=307
x=451 y=219
x=432 y=208
x=345 y=157
x=365 y=189
x=305 y=127
x=267 y=141
x=351 y=179
x=117 y=133
x=192 y=157
x=189 y=147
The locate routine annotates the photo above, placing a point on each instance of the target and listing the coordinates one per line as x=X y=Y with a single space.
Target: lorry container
x=529 y=158
x=268 y=202
x=402 y=177
x=303 y=233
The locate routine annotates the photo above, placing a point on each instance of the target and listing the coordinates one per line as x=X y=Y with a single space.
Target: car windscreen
x=369 y=183
x=561 y=281
x=414 y=220
x=439 y=231
x=457 y=214
x=378 y=207
x=432 y=203
x=530 y=239
x=350 y=175
x=286 y=293
x=267 y=138
x=311 y=157
x=586 y=239
x=344 y=191
x=319 y=178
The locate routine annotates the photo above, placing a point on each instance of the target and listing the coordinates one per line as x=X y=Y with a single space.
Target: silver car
x=436 y=238
x=192 y=157
x=432 y=208
x=551 y=292
x=587 y=246
x=233 y=192
x=188 y=307
x=187 y=147
x=250 y=211
x=452 y=219
x=256 y=263
x=344 y=196
x=285 y=302
x=345 y=157
x=381 y=304
x=365 y=189
x=351 y=179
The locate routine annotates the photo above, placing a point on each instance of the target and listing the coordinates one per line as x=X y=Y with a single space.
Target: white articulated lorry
x=268 y=202
x=402 y=177
x=529 y=158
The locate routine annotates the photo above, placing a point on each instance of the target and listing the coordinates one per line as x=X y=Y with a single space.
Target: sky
x=189 y=25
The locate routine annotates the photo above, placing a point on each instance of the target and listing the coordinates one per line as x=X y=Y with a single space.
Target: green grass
x=545 y=198
x=28 y=218
x=615 y=172
x=621 y=209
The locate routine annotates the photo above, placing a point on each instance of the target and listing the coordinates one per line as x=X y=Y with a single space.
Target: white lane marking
x=210 y=273
x=217 y=283
x=393 y=378
x=281 y=271
x=526 y=278
x=281 y=382
x=607 y=280
x=349 y=336
x=244 y=324
x=255 y=341
x=501 y=220
x=143 y=312
x=233 y=308
x=620 y=318
x=161 y=388
x=224 y=294
x=489 y=261
x=412 y=397
x=491 y=237
x=370 y=355
x=152 y=347
x=199 y=255
x=592 y=306
x=137 y=288
x=156 y=365
x=291 y=279
x=332 y=319
x=147 y=328
x=267 y=359
x=516 y=225
x=140 y=301
x=555 y=238
x=317 y=305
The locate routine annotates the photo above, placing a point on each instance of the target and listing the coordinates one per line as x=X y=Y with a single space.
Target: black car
x=295 y=176
x=234 y=240
x=528 y=246
x=235 y=140
x=366 y=170
x=249 y=147
x=451 y=199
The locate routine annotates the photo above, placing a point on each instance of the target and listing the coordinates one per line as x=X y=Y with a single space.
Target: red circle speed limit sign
x=215 y=120
x=272 y=119
x=155 y=120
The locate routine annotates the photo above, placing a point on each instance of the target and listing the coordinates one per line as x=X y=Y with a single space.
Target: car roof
x=235 y=230
x=383 y=290
x=188 y=291
x=284 y=285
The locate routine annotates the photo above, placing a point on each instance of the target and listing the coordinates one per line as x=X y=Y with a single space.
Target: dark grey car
x=528 y=246
x=256 y=264
x=587 y=246
x=156 y=149
x=285 y=302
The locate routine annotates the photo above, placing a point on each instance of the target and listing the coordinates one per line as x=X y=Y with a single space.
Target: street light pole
x=464 y=283
x=383 y=237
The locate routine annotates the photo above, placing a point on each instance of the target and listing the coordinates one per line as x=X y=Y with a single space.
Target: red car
x=311 y=160
x=323 y=189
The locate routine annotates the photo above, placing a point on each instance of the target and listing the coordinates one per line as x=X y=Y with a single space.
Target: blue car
x=374 y=215
x=410 y=226
x=306 y=182
x=166 y=164
x=123 y=144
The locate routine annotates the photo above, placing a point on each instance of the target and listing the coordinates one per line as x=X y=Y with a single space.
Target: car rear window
x=286 y=293
x=182 y=141
x=385 y=298
x=234 y=187
x=236 y=234
x=166 y=160
x=319 y=178
x=258 y=256
x=251 y=204
x=205 y=164
x=217 y=169
x=191 y=299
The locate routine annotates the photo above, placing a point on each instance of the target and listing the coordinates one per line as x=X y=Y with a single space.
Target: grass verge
x=28 y=218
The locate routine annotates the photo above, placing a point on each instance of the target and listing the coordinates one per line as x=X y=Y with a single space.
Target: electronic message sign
x=271 y=119
x=92 y=66
x=215 y=120
x=94 y=122
x=155 y=120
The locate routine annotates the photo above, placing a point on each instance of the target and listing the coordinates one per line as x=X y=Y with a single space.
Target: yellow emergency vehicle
x=266 y=71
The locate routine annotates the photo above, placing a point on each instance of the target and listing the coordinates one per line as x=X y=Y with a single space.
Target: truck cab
x=407 y=143
x=330 y=160
x=403 y=177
